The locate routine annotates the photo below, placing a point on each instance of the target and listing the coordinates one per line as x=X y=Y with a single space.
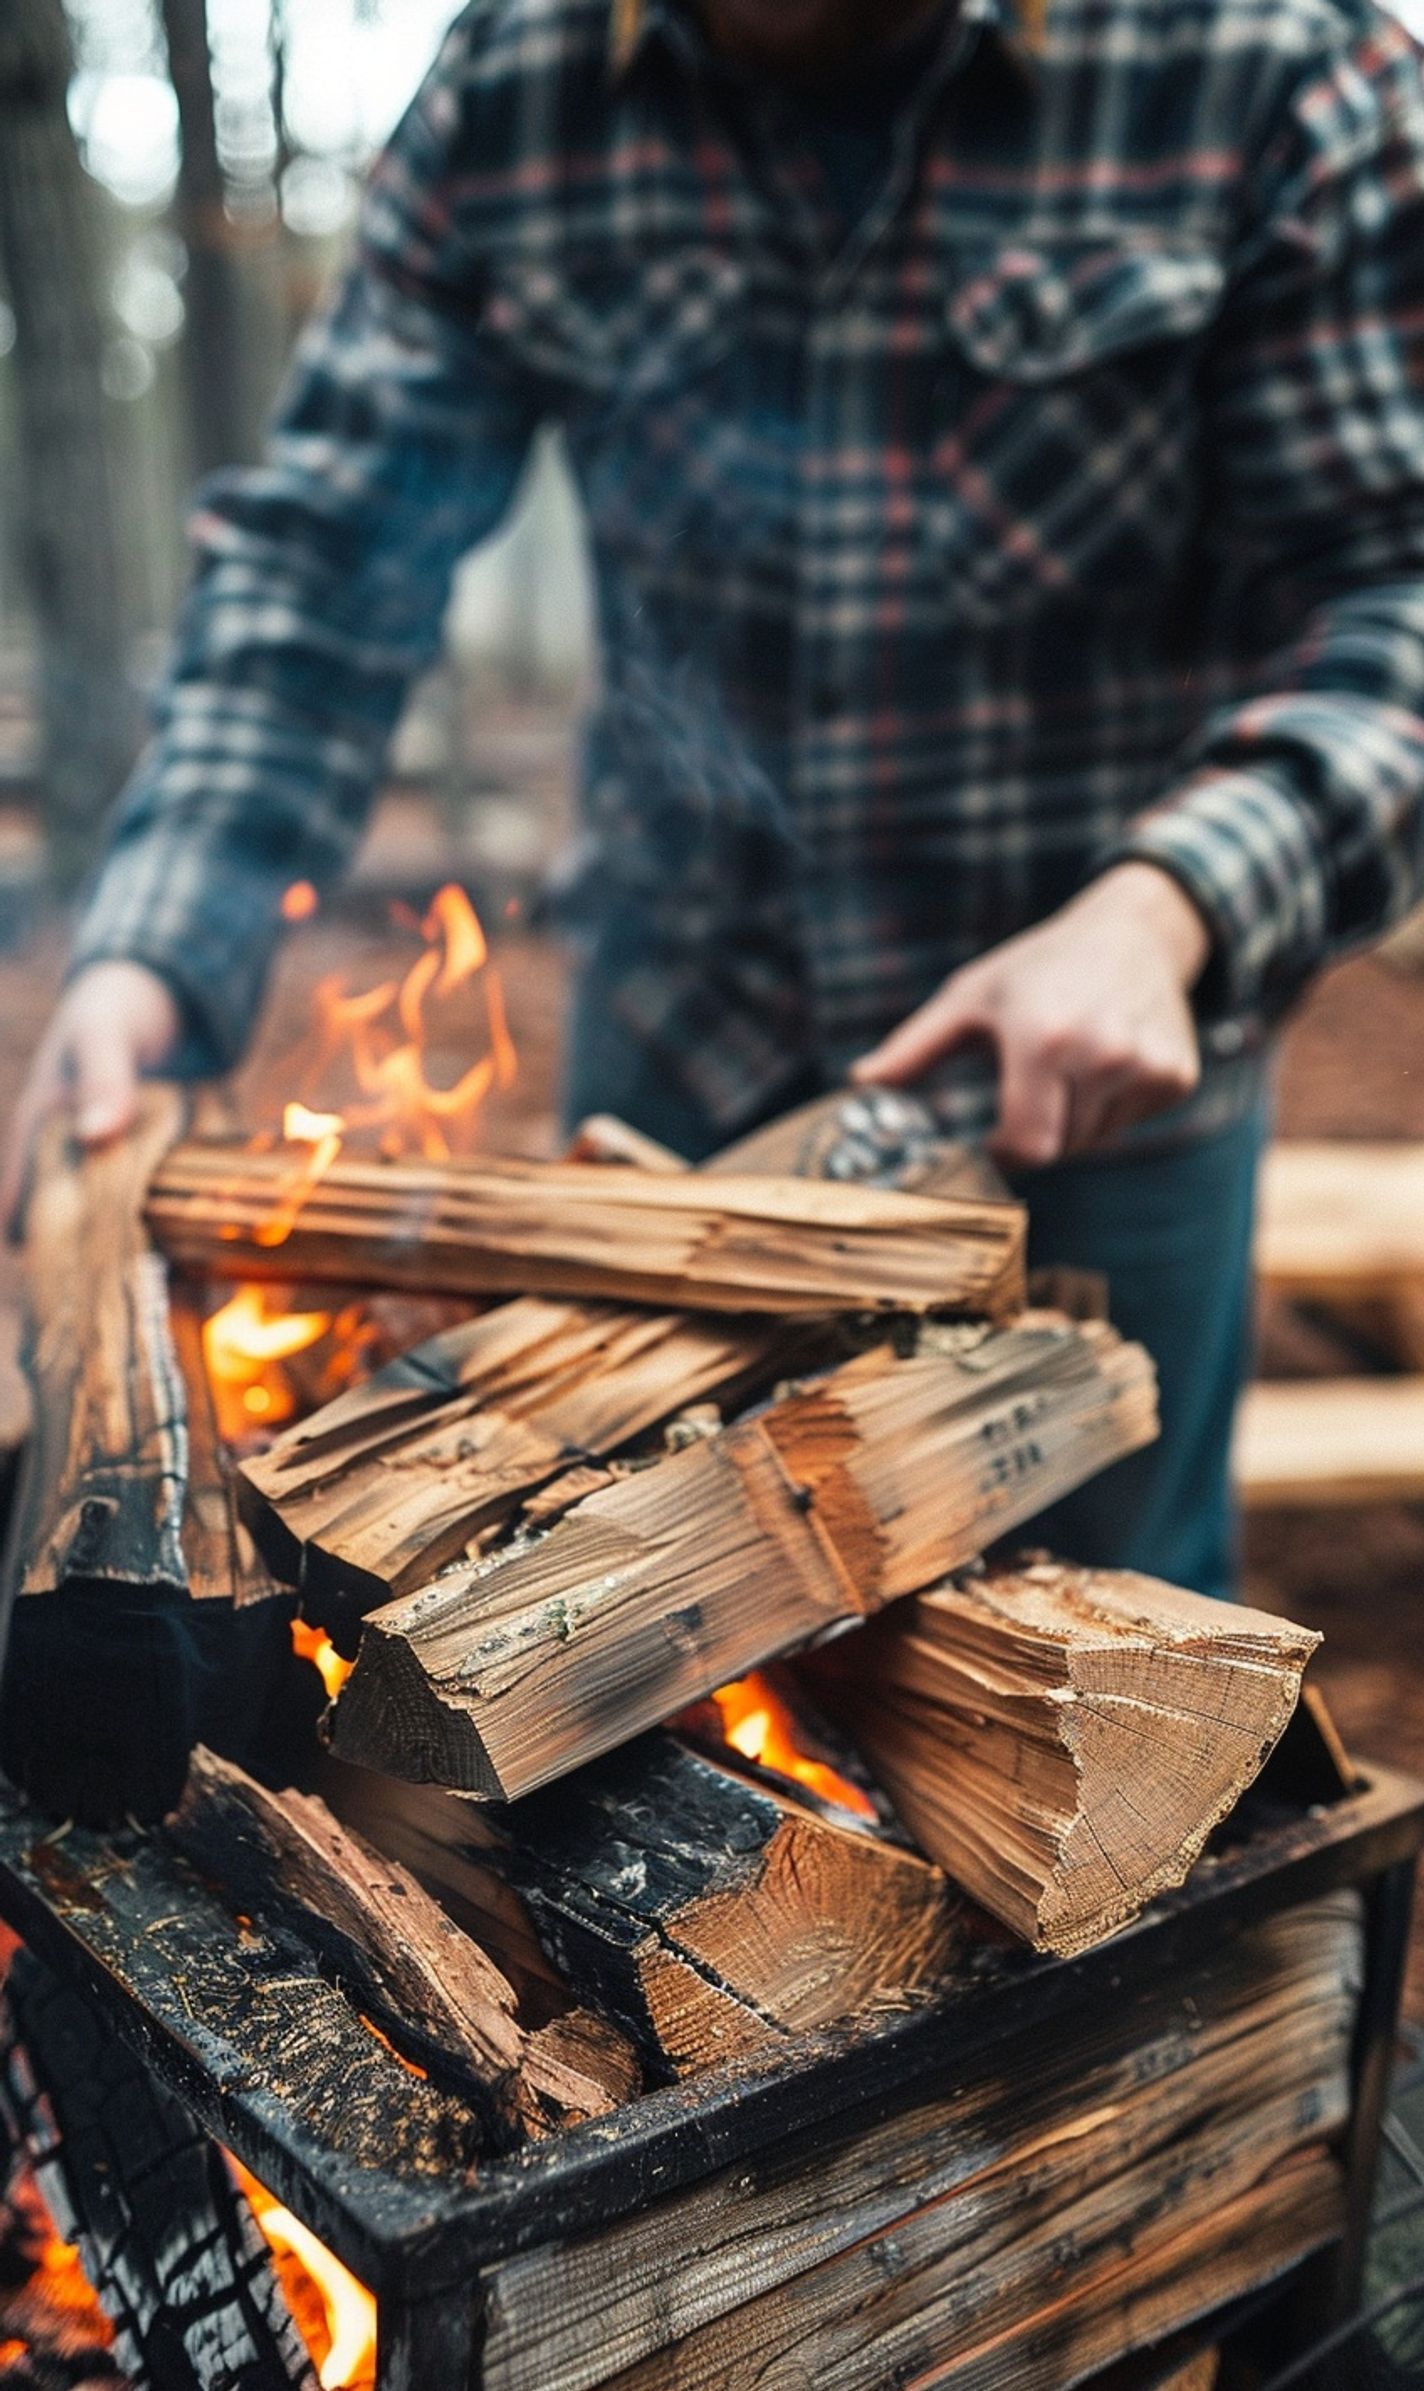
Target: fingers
x=950 y=1018
x=41 y=1096
x=1035 y=1106
x=115 y=1020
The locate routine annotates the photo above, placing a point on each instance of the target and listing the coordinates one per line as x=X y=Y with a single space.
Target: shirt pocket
x=1064 y=451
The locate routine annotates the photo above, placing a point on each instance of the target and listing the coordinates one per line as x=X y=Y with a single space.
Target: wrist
x=1156 y=901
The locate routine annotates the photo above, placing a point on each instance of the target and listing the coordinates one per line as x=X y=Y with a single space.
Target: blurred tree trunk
x=68 y=542
x=214 y=347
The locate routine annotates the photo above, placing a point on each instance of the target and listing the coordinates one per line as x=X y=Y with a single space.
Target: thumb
x=949 y=1020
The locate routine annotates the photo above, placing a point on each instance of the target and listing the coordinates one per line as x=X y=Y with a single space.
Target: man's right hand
x=114 y=1022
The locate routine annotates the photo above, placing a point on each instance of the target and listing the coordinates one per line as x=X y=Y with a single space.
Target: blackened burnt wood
x=1064 y=1740
x=101 y=1682
x=383 y=1486
x=365 y=1917
x=1008 y=2204
x=504 y=1226
x=863 y=1486
x=710 y=1913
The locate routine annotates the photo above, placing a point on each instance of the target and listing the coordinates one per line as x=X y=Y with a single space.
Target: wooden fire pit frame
x=210 y=2007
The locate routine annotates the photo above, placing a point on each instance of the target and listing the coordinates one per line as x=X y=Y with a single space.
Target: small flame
x=758 y=1724
x=382 y=1034
x=244 y=1346
x=314 y=1644
x=299 y=902
x=335 y=2315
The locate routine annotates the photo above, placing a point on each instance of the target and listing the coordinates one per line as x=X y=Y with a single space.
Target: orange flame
x=335 y=2315
x=299 y=902
x=758 y=1724
x=382 y=1034
x=313 y=1644
x=244 y=1346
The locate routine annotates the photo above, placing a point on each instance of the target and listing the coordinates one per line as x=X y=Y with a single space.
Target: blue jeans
x=1171 y=1231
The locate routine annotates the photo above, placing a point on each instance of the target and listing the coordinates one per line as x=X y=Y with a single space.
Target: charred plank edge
x=421 y=2240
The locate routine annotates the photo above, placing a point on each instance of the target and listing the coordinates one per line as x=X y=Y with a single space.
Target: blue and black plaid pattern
x=1071 y=508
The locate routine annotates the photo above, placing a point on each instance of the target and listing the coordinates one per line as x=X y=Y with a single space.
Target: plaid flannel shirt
x=1069 y=508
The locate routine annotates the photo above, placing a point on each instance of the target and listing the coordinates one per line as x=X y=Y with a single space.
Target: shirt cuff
x=1246 y=853
x=214 y=954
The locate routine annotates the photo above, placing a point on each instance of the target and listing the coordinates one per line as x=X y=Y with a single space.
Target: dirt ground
x=1352 y=1066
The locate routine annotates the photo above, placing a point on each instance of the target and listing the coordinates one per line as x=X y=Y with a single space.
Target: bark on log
x=502 y=1226
x=382 y=1487
x=867 y=1485
x=708 y=1909
x=426 y=1981
x=1064 y=1740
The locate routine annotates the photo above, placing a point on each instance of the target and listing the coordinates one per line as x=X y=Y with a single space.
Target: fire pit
x=582 y=1994
x=833 y=2197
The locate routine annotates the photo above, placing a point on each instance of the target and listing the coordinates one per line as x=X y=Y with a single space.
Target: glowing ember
x=299 y=902
x=244 y=1346
x=313 y=1644
x=759 y=1725
x=335 y=2315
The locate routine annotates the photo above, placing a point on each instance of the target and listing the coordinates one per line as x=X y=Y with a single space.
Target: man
x=1003 y=449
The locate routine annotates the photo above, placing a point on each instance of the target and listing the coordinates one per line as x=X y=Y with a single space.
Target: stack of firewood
x=694 y=1421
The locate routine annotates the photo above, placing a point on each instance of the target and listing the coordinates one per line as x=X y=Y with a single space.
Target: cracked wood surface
x=383 y=1486
x=708 y=1911
x=1064 y=1740
x=1069 y=2199
x=846 y=1494
x=288 y=1860
x=502 y=1226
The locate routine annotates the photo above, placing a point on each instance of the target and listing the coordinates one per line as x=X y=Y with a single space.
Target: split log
x=708 y=1908
x=369 y=1923
x=504 y=1226
x=382 y=1487
x=100 y=1684
x=1064 y=1740
x=102 y=1493
x=866 y=1485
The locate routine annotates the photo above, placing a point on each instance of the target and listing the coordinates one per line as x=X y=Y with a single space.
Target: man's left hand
x=1089 y=1013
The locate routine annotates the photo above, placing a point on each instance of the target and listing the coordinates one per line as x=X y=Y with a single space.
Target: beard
x=807 y=37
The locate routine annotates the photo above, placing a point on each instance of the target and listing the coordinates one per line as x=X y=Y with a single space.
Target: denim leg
x=1172 y=1234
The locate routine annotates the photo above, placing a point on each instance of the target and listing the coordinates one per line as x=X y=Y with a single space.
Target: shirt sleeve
x=1296 y=822
x=320 y=586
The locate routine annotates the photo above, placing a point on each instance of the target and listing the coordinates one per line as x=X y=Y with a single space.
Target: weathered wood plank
x=902 y=2242
x=1308 y=1443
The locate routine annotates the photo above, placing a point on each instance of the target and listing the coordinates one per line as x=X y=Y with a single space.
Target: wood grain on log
x=863 y=1486
x=102 y=1491
x=1064 y=1740
x=1060 y=2197
x=369 y=1921
x=382 y=1487
x=708 y=1912
x=502 y=1226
